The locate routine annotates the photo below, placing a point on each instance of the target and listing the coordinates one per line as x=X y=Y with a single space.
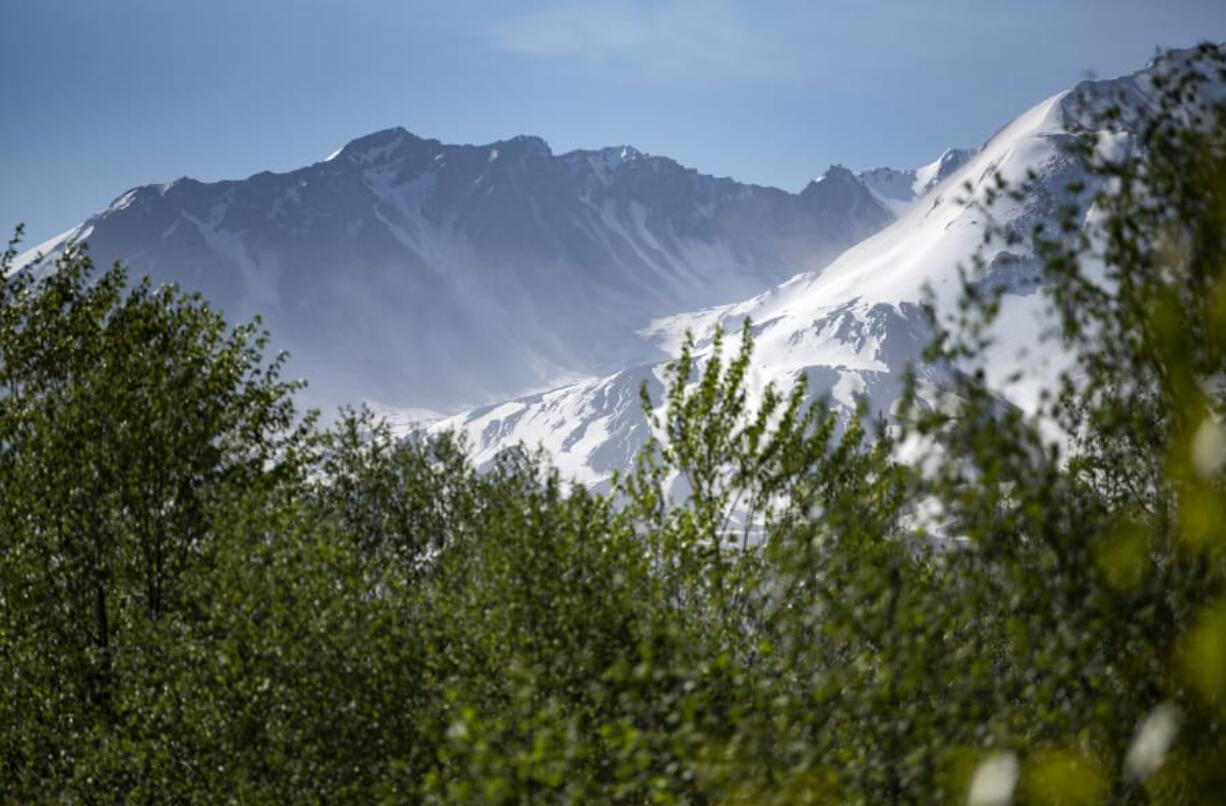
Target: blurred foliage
x=206 y=597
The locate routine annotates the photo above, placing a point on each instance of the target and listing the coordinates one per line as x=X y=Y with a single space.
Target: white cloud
x=664 y=35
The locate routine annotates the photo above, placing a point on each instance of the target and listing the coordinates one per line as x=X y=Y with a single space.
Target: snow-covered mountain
x=855 y=326
x=898 y=189
x=414 y=274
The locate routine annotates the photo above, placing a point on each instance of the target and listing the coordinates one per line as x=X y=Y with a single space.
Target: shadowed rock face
x=414 y=273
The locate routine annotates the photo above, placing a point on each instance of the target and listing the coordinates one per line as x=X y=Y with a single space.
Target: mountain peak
x=376 y=146
x=932 y=174
x=835 y=173
x=837 y=180
x=524 y=145
x=899 y=188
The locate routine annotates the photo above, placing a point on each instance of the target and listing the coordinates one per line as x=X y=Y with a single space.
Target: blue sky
x=97 y=96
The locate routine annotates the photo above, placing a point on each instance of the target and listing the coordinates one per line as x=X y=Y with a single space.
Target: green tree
x=129 y=418
x=1095 y=558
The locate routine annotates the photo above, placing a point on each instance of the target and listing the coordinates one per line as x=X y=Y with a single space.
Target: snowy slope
x=419 y=275
x=854 y=327
x=899 y=189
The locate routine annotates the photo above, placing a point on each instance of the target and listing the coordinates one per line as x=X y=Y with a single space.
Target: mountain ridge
x=412 y=273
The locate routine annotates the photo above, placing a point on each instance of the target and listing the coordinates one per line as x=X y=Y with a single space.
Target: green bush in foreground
x=206 y=598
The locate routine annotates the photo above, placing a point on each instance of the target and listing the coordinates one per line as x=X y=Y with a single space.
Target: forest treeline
x=206 y=596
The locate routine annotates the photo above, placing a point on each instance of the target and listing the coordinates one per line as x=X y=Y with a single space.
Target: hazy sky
x=97 y=96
